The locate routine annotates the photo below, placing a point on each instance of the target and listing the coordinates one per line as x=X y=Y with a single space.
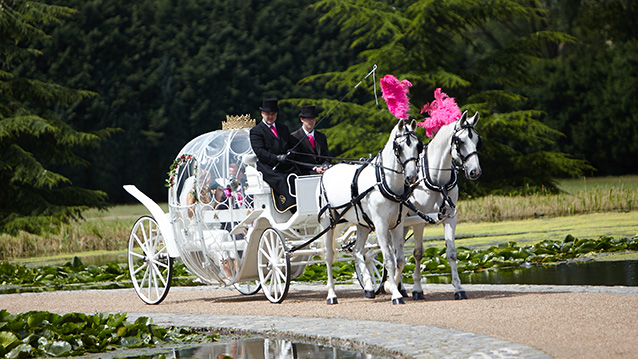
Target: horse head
x=406 y=149
x=465 y=145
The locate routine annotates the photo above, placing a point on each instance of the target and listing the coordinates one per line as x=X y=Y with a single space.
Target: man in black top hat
x=313 y=145
x=271 y=142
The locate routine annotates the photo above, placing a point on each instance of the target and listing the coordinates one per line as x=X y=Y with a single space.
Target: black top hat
x=269 y=105
x=308 y=112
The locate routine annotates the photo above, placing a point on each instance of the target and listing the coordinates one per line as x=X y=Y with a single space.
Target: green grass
x=531 y=231
x=586 y=183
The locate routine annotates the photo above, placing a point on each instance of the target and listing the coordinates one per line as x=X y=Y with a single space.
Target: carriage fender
x=158 y=214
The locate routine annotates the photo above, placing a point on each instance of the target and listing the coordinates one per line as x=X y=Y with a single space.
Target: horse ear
x=474 y=119
x=400 y=125
x=413 y=125
x=463 y=118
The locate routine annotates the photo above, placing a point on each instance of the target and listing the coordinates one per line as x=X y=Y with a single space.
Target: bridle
x=456 y=144
x=396 y=146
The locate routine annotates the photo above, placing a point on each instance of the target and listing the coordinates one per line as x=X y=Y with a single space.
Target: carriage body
x=222 y=223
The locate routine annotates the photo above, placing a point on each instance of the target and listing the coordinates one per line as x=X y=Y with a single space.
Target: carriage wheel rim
x=375 y=268
x=273 y=265
x=150 y=270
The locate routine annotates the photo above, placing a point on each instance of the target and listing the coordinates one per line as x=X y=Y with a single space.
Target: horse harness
x=443 y=189
x=382 y=184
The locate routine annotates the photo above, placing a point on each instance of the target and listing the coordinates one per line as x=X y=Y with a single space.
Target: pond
x=253 y=348
x=624 y=273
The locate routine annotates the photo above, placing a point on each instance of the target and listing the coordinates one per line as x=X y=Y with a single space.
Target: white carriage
x=222 y=224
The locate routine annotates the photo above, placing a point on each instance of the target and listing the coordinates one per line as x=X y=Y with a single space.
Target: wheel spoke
x=158 y=274
x=140 y=256
x=156 y=262
x=144 y=265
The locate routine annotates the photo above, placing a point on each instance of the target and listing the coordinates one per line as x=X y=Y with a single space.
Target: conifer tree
x=35 y=140
x=478 y=52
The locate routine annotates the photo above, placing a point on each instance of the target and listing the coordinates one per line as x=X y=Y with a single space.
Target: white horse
x=436 y=193
x=370 y=195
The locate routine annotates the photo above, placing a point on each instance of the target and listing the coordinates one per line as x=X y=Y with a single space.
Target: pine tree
x=35 y=140
x=475 y=50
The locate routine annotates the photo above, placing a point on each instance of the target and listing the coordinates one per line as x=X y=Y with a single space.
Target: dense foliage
x=39 y=334
x=36 y=138
x=587 y=88
x=479 y=52
x=168 y=71
x=552 y=80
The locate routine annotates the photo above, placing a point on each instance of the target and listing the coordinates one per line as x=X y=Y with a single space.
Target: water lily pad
x=21 y=351
x=8 y=340
x=58 y=349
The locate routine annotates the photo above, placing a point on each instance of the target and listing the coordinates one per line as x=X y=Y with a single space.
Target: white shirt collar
x=265 y=123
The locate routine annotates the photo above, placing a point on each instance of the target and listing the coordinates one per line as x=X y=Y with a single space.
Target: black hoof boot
x=398 y=301
x=332 y=301
x=460 y=295
x=369 y=294
x=404 y=292
x=418 y=296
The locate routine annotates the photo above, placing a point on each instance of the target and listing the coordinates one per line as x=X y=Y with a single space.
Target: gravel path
x=497 y=321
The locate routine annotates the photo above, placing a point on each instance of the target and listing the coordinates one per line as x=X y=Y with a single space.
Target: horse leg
x=329 y=247
x=450 y=248
x=398 y=244
x=417 y=289
x=360 y=261
x=390 y=264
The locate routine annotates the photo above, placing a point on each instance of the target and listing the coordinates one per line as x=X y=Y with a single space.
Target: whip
x=372 y=72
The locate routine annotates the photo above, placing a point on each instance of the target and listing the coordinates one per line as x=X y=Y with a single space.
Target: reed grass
x=503 y=208
x=109 y=230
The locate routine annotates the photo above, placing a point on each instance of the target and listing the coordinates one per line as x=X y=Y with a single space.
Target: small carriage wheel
x=273 y=265
x=248 y=287
x=374 y=262
x=150 y=266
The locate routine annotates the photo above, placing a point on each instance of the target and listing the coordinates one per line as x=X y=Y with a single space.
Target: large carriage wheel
x=273 y=265
x=374 y=262
x=150 y=266
x=248 y=287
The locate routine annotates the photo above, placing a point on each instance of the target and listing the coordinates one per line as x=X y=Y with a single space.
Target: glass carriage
x=222 y=223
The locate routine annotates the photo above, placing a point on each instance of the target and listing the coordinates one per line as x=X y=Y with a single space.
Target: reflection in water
x=588 y=273
x=261 y=348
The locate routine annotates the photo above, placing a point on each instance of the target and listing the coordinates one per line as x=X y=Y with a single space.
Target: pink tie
x=312 y=140
x=274 y=130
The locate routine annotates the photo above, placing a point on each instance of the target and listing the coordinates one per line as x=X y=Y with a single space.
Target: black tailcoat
x=312 y=156
x=267 y=146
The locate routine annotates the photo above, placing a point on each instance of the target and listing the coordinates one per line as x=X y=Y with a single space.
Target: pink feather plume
x=395 y=94
x=443 y=110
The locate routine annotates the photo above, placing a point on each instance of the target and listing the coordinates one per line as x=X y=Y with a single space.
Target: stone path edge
x=408 y=341
x=398 y=340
